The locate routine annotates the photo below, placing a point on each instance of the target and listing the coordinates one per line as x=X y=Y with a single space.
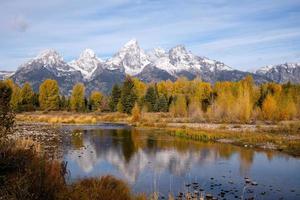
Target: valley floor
x=283 y=136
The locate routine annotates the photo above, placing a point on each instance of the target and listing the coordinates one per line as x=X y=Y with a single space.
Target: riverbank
x=280 y=136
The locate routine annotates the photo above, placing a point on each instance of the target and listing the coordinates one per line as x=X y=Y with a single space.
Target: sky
x=244 y=34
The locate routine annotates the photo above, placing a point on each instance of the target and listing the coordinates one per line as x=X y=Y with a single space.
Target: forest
x=241 y=101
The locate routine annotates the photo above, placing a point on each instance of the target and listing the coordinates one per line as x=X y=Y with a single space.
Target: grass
x=106 y=187
x=72 y=118
x=267 y=138
x=283 y=136
x=25 y=174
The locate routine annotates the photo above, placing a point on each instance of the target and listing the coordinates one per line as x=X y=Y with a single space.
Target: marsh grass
x=72 y=118
x=106 y=187
x=283 y=136
x=266 y=139
x=26 y=174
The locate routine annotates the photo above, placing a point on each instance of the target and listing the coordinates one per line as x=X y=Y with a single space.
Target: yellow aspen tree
x=16 y=94
x=49 y=95
x=96 y=100
x=77 y=97
x=179 y=107
x=136 y=113
x=269 y=108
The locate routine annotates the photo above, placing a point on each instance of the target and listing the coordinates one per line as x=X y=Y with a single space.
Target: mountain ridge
x=155 y=65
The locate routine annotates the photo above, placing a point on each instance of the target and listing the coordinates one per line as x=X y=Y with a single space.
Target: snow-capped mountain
x=48 y=65
x=155 y=65
x=5 y=74
x=87 y=63
x=281 y=73
x=179 y=59
x=130 y=57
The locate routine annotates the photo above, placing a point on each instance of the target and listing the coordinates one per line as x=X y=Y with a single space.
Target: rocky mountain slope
x=281 y=73
x=5 y=74
x=132 y=60
x=48 y=65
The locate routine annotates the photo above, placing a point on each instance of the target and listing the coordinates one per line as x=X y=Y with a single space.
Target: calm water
x=150 y=160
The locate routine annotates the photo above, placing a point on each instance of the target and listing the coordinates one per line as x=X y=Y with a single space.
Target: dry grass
x=72 y=118
x=28 y=144
x=284 y=136
x=106 y=188
x=267 y=139
x=26 y=175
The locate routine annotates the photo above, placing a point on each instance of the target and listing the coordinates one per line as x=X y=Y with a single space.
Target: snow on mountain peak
x=87 y=53
x=270 y=68
x=49 y=56
x=159 y=52
x=87 y=63
x=130 y=57
x=131 y=43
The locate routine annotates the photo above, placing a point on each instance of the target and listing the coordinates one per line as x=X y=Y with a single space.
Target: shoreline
x=282 y=137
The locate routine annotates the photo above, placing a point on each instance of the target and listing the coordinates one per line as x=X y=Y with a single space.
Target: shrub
x=106 y=188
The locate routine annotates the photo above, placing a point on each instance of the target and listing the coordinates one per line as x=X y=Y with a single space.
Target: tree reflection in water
x=142 y=156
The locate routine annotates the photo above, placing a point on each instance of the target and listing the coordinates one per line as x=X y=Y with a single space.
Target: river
x=153 y=161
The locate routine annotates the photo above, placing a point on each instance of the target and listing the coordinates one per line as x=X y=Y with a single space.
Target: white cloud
x=220 y=29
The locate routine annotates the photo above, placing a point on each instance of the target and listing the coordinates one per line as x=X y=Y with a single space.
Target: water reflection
x=152 y=160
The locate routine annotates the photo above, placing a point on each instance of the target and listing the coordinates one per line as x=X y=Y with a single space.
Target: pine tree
x=162 y=104
x=27 y=98
x=6 y=114
x=95 y=100
x=49 y=95
x=114 y=98
x=128 y=95
x=150 y=99
x=78 y=98
x=63 y=105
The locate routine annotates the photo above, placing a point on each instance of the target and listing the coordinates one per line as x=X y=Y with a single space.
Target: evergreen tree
x=49 y=95
x=128 y=95
x=6 y=113
x=114 y=98
x=78 y=98
x=150 y=99
x=86 y=105
x=95 y=100
x=162 y=104
x=27 y=98
x=63 y=105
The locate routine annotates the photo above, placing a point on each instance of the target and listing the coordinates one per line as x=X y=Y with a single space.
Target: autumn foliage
x=242 y=101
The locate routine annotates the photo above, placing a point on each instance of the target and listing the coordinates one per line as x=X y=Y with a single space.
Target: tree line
x=223 y=101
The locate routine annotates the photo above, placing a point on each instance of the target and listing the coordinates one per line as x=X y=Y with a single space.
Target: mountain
x=131 y=58
x=152 y=66
x=48 y=65
x=5 y=74
x=87 y=63
x=281 y=73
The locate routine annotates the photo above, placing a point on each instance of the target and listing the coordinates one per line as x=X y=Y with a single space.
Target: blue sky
x=244 y=34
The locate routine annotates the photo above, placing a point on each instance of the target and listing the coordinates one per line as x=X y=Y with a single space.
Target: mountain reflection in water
x=154 y=161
